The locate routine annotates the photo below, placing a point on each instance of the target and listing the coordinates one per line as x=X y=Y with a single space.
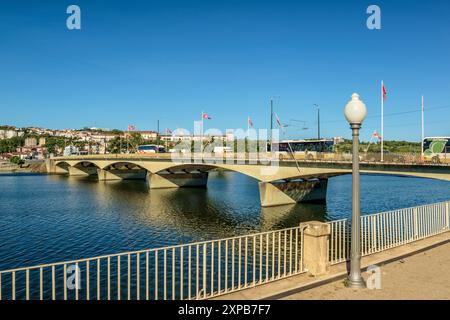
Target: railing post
x=415 y=224
x=447 y=215
x=315 y=247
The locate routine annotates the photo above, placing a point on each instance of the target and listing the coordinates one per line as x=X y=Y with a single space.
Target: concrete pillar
x=156 y=181
x=52 y=168
x=271 y=196
x=290 y=192
x=177 y=180
x=121 y=174
x=87 y=171
x=59 y=170
x=315 y=247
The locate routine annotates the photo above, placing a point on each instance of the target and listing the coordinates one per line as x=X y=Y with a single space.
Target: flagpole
x=128 y=133
x=382 y=122
x=201 y=137
x=248 y=127
x=423 y=125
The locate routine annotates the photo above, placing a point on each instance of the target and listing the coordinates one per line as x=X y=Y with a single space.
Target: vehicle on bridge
x=436 y=149
x=151 y=148
x=306 y=149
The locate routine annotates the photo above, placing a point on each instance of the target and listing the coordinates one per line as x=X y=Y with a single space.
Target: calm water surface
x=55 y=218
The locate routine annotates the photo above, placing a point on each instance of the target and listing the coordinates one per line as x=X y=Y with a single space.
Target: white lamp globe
x=355 y=111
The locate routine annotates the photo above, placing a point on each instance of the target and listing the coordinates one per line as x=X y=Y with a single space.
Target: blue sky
x=134 y=62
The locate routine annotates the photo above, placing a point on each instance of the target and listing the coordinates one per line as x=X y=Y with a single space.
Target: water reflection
x=199 y=213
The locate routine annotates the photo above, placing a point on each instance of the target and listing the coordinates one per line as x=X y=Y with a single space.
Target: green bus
x=436 y=149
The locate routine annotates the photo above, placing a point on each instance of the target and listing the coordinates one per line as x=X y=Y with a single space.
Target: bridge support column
x=85 y=171
x=271 y=196
x=58 y=170
x=177 y=180
x=290 y=192
x=121 y=174
x=52 y=168
x=315 y=247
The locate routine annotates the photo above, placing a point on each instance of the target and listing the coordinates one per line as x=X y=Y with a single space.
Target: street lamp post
x=355 y=113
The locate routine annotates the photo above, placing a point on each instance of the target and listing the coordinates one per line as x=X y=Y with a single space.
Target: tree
x=16 y=160
x=54 y=144
x=117 y=145
x=11 y=144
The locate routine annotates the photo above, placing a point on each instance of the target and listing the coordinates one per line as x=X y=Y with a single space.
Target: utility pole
x=318 y=120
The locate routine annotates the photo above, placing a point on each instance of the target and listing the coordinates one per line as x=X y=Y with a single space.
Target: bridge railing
x=193 y=271
x=386 y=230
x=371 y=158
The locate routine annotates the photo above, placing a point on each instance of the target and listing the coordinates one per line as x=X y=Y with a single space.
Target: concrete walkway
x=425 y=275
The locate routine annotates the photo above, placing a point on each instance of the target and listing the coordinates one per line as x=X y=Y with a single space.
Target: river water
x=54 y=218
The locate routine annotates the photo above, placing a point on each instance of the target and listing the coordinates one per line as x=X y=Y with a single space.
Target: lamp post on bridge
x=355 y=113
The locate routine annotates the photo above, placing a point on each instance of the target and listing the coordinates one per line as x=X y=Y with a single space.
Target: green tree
x=16 y=160
x=11 y=144
x=56 y=144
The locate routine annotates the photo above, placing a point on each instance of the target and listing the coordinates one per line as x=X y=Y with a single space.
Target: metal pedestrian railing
x=387 y=230
x=339 y=243
x=192 y=271
x=383 y=231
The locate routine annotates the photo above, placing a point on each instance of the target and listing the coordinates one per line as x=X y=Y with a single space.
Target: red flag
x=131 y=127
x=250 y=122
x=205 y=116
x=168 y=131
x=376 y=135
x=383 y=90
x=278 y=120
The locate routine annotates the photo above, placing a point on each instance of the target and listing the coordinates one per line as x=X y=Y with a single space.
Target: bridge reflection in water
x=229 y=206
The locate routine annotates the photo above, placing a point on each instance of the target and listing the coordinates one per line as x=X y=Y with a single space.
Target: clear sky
x=134 y=62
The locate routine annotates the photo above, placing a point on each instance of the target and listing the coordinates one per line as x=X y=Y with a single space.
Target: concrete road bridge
x=281 y=182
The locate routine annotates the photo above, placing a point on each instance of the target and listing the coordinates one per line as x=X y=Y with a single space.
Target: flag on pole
x=131 y=127
x=383 y=90
x=278 y=120
x=205 y=116
x=376 y=135
x=250 y=122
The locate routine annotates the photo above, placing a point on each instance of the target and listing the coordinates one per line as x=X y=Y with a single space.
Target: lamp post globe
x=355 y=112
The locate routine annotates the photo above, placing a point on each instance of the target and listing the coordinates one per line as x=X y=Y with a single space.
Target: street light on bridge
x=355 y=113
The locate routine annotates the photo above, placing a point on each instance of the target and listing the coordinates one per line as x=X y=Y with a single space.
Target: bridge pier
x=81 y=171
x=290 y=192
x=177 y=180
x=121 y=174
x=55 y=169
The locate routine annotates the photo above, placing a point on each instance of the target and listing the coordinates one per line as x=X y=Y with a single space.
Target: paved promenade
x=425 y=275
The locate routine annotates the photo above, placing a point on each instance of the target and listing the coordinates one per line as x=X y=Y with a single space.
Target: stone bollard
x=315 y=247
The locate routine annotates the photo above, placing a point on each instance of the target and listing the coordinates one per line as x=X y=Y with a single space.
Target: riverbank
x=38 y=167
